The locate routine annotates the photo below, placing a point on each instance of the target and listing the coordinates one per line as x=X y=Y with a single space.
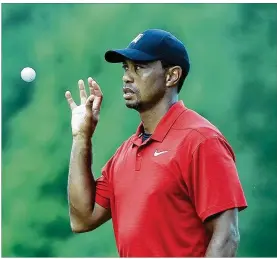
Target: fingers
x=94 y=88
x=89 y=104
x=96 y=91
x=90 y=84
x=90 y=101
x=70 y=101
x=83 y=94
x=95 y=98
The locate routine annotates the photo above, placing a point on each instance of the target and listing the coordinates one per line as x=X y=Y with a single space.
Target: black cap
x=152 y=45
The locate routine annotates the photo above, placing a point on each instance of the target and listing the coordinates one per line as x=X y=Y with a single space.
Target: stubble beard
x=133 y=105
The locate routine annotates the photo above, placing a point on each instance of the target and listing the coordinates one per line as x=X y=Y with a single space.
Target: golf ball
x=28 y=74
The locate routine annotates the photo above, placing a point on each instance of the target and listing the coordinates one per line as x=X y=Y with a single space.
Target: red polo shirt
x=161 y=191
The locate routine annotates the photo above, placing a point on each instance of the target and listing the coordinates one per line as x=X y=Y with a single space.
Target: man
x=172 y=188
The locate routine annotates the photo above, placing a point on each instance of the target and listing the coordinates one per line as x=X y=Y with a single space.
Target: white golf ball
x=28 y=74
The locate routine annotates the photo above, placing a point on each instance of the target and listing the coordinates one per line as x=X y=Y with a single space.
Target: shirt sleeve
x=102 y=192
x=213 y=182
x=103 y=186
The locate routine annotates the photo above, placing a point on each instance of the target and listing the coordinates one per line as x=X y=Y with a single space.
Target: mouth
x=127 y=90
x=127 y=93
x=128 y=96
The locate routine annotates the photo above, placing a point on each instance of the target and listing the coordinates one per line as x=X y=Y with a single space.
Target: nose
x=127 y=78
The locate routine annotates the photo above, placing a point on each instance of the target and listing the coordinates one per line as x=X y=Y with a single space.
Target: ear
x=173 y=76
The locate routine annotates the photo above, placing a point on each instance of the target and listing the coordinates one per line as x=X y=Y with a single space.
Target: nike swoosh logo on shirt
x=159 y=153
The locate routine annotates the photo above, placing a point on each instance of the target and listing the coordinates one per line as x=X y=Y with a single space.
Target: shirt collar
x=164 y=125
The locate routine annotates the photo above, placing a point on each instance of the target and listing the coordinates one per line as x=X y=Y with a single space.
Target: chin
x=132 y=105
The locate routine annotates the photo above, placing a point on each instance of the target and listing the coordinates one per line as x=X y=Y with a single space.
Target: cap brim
x=119 y=55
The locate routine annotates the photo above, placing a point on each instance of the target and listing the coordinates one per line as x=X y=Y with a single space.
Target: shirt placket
x=139 y=154
x=138 y=159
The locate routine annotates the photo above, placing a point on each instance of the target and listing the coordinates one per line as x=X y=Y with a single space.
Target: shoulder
x=195 y=127
x=190 y=119
x=197 y=131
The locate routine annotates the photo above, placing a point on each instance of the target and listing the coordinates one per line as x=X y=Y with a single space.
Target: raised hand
x=85 y=116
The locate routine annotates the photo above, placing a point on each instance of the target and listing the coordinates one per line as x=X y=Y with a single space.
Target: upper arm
x=99 y=216
x=223 y=228
x=101 y=212
x=225 y=222
x=102 y=207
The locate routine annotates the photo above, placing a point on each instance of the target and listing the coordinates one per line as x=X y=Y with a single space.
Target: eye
x=138 y=67
x=125 y=67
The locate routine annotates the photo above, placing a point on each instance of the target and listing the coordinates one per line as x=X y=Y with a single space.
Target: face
x=144 y=84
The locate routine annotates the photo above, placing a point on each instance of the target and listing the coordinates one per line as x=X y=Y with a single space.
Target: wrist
x=81 y=138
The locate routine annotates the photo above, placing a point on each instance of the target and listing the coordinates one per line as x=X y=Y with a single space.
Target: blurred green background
x=232 y=82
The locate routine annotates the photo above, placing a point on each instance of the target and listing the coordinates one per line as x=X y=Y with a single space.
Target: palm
x=86 y=115
x=79 y=119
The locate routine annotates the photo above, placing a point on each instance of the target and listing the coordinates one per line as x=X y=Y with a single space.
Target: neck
x=151 y=118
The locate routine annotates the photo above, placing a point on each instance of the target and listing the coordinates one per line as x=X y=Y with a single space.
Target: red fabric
x=213 y=180
x=161 y=191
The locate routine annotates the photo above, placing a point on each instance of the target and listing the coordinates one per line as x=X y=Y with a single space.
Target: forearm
x=222 y=247
x=81 y=183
